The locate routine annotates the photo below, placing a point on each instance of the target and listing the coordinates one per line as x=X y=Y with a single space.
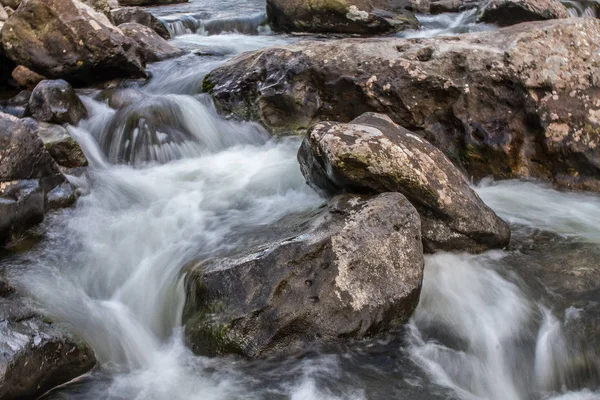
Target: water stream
x=170 y=181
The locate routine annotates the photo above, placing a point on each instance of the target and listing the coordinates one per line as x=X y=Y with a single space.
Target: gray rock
x=341 y=16
x=27 y=173
x=352 y=271
x=153 y=46
x=68 y=39
x=512 y=103
x=371 y=154
x=55 y=101
x=124 y=15
x=65 y=150
x=35 y=354
x=510 y=12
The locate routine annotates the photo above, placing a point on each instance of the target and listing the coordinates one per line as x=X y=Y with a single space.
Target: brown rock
x=516 y=102
x=68 y=39
x=350 y=272
x=123 y=15
x=25 y=77
x=371 y=154
x=342 y=16
x=510 y=12
x=153 y=46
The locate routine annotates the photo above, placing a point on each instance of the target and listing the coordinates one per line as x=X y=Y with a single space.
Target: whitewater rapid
x=112 y=267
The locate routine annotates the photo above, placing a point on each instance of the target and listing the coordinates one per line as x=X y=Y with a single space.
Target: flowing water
x=170 y=182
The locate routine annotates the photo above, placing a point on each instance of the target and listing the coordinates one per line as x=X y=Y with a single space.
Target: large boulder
x=510 y=12
x=372 y=154
x=56 y=101
x=516 y=102
x=353 y=271
x=27 y=175
x=341 y=16
x=123 y=15
x=154 y=47
x=68 y=39
x=35 y=354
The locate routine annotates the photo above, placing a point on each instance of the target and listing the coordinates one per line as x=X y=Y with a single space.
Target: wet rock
x=371 y=154
x=153 y=46
x=341 y=16
x=135 y=14
x=354 y=270
x=27 y=173
x=516 y=102
x=65 y=150
x=25 y=77
x=68 y=39
x=55 y=101
x=18 y=105
x=510 y=12
x=35 y=354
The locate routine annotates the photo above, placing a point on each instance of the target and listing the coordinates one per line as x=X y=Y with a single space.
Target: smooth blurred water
x=170 y=181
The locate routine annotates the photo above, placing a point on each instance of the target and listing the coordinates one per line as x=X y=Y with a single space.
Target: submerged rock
x=354 y=270
x=371 y=154
x=341 y=16
x=135 y=14
x=56 y=102
x=35 y=354
x=510 y=12
x=516 y=102
x=68 y=39
x=27 y=173
x=154 y=47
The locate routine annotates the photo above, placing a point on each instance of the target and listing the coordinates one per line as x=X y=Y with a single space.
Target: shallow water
x=504 y=325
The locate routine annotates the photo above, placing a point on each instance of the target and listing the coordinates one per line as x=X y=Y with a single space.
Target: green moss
x=207 y=84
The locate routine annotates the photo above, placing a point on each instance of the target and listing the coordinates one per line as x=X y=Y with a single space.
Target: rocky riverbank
x=395 y=131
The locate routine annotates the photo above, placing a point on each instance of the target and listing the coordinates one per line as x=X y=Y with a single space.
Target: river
x=519 y=324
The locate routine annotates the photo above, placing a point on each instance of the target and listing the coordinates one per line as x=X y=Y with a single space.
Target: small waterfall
x=201 y=24
x=582 y=8
x=447 y=24
x=163 y=128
